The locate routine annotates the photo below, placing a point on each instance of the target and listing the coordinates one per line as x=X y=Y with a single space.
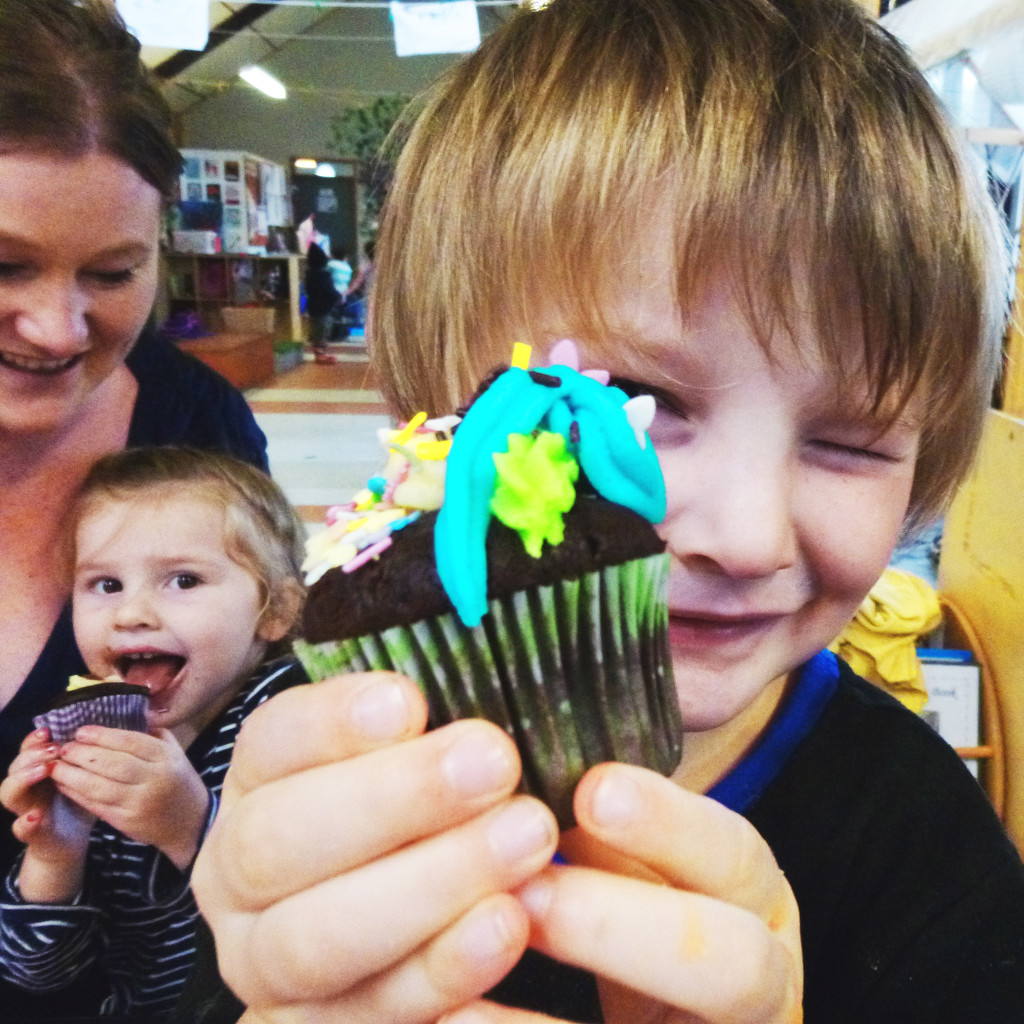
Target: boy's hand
x=348 y=876
x=684 y=915
x=707 y=928
x=142 y=784
x=358 y=870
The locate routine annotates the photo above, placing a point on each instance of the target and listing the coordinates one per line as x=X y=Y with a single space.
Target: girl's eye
x=106 y=585
x=10 y=269
x=186 y=581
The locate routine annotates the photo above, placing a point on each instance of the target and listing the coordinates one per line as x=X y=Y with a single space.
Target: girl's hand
x=55 y=831
x=359 y=870
x=684 y=915
x=142 y=784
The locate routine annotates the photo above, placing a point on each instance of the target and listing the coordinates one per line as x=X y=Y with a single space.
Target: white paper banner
x=174 y=24
x=451 y=26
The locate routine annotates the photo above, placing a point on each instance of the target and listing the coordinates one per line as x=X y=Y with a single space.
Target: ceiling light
x=266 y=83
x=326 y=171
x=306 y=163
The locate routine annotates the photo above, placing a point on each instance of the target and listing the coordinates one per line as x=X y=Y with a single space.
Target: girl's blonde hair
x=262 y=532
x=794 y=138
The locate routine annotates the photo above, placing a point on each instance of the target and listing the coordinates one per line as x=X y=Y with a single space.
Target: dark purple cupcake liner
x=115 y=710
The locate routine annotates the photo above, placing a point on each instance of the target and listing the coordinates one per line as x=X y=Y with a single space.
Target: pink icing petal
x=565 y=353
x=601 y=376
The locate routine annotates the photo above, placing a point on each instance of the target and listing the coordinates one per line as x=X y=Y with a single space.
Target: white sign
x=174 y=24
x=451 y=26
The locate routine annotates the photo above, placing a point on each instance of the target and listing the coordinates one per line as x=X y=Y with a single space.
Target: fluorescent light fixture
x=325 y=171
x=306 y=163
x=266 y=83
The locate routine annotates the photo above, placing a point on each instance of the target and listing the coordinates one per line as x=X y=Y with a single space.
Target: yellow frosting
x=78 y=682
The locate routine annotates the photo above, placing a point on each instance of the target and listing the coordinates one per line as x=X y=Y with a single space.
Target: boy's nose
x=54 y=317
x=738 y=518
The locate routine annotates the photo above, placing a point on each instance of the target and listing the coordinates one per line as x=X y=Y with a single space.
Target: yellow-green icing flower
x=535 y=487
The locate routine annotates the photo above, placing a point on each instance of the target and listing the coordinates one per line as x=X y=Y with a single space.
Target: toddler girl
x=185 y=569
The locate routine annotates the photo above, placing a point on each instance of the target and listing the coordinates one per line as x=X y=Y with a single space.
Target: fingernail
x=486 y=936
x=380 y=711
x=475 y=765
x=464 y=1016
x=615 y=801
x=52 y=750
x=536 y=896
x=520 y=831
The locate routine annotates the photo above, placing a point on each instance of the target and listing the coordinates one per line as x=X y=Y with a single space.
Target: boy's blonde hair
x=262 y=532
x=793 y=137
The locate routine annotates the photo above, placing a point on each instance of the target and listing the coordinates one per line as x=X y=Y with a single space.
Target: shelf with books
x=207 y=284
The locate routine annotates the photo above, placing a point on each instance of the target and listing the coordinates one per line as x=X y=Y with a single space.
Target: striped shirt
x=135 y=915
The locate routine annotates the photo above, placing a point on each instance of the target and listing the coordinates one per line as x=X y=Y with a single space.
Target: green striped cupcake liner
x=576 y=673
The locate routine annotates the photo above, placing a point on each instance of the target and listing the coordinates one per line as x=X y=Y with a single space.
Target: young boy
x=185 y=573
x=754 y=211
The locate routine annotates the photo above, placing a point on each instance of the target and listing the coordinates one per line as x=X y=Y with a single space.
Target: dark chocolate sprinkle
x=574 y=432
x=548 y=380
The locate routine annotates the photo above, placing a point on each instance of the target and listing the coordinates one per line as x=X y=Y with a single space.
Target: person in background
x=185 y=574
x=755 y=212
x=341 y=275
x=86 y=167
x=321 y=298
x=361 y=286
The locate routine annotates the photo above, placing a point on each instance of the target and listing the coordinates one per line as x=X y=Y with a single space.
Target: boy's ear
x=282 y=613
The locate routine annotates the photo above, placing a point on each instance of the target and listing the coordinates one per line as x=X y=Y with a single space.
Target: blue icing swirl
x=617 y=467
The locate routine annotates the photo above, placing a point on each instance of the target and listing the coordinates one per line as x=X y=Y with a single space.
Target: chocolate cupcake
x=534 y=597
x=113 y=703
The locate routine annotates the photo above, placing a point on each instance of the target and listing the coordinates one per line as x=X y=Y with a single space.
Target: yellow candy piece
x=521 y=355
x=411 y=427
x=433 y=450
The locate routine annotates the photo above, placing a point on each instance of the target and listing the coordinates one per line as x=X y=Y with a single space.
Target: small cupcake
x=535 y=596
x=86 y=701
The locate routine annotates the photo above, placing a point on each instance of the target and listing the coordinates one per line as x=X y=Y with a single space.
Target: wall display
x=250 y=195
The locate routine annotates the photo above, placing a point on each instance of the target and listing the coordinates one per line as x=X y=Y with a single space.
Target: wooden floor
x=321 y=424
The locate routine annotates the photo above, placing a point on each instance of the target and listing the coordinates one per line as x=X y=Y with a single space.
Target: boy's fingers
x=455 y=967
x=354 y=811
x=690 y=841
x=372 y=919
x=306 y=726
x=705 y=956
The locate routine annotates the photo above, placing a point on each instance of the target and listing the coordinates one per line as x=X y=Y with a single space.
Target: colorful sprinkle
x=521 y=355
x=366 y=554
x=410 y=428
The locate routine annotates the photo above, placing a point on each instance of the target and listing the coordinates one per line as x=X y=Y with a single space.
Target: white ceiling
x=336 y=49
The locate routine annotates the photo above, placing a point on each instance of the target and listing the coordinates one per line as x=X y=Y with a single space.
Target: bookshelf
x=206 y=284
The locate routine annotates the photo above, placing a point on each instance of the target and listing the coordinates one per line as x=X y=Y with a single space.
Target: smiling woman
x=86 y=164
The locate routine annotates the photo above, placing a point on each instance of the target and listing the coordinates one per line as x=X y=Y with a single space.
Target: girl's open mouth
x=156 y=670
